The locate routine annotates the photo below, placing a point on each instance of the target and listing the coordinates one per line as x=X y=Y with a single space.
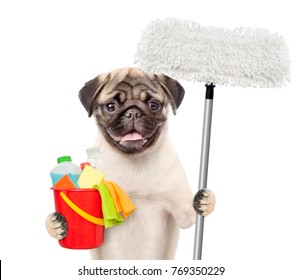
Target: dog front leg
x=56 y=225
x=185 y=206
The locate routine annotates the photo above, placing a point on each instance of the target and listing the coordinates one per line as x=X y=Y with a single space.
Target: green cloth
x=110 y=216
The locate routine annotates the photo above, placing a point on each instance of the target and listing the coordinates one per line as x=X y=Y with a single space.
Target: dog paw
x=56 y=225
x=204 y=202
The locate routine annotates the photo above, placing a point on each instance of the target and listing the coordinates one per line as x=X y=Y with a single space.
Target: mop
x=243 y=57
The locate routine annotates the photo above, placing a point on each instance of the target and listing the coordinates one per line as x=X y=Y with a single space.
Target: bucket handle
x=81 y=212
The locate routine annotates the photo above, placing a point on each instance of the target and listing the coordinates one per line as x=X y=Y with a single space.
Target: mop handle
x=199 y=227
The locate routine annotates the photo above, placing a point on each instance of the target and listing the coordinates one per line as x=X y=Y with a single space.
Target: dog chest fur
x=158 y=186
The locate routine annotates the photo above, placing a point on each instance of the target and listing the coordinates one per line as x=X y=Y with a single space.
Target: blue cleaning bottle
x=65 y=166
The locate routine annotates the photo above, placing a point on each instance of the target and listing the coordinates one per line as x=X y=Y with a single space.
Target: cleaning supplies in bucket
x=65 y=166
x=89 y=205
x=94 y=157
x=112 y=208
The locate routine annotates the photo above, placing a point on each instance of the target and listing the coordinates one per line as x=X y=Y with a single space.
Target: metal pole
x=199 y=227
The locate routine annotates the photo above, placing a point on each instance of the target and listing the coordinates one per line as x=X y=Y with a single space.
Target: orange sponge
x=64 y=183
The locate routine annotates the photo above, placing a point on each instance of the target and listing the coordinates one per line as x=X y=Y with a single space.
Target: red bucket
x=83 y=212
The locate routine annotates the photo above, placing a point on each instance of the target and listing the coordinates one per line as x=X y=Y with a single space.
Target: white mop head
x=240 y=57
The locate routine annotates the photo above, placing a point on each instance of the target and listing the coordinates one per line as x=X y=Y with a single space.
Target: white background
x=49 y=49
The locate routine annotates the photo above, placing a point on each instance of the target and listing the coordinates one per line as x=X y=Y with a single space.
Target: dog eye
x=111 y=107
x=154 y=105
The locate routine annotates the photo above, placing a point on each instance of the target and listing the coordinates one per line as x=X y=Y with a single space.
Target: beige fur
x=157 y=184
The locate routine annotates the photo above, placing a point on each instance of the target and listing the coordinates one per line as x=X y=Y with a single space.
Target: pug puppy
x=131 y=109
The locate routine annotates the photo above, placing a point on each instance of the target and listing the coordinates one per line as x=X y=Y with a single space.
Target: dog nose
x=133 y=113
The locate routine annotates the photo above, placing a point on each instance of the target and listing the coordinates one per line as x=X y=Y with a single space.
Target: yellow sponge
x=90 y=177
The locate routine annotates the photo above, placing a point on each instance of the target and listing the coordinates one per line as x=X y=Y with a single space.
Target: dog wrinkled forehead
x=131 y=83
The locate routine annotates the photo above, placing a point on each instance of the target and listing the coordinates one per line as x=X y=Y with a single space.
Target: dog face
x=131 y=106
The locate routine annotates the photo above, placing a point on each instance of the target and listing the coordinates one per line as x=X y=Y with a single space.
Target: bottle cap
x=64 y=158
x=83 y=165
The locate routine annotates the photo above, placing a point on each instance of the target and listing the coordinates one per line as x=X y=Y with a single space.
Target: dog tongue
x=132 y=136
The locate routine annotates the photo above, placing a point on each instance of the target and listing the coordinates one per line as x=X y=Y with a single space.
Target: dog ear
x=91 y=90
x=174 y=91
